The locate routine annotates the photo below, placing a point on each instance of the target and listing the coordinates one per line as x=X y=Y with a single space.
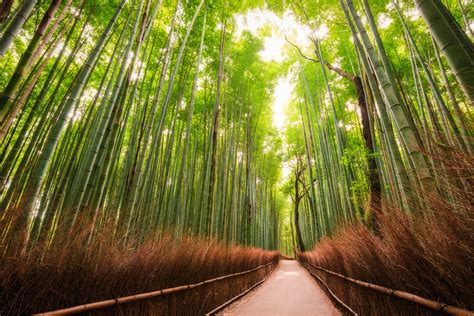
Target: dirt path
x=289 y=291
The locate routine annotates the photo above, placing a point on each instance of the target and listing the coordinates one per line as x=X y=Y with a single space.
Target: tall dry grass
x=72 y=272
x=430 y=254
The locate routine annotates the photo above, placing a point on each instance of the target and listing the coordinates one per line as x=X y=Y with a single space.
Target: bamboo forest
x=236 y=157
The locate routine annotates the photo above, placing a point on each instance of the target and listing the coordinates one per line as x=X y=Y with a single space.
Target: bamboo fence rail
x=235 y=298
x=453 y=310
x=142 y=296
x=341 y=302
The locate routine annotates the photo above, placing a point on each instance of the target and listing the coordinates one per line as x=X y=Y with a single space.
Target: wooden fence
x=143 y=296
x=434 y=305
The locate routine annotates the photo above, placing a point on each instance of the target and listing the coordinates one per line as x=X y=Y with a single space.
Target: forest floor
x=289 y=291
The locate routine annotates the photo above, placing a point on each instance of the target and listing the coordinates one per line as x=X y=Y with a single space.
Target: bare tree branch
x=299 y=50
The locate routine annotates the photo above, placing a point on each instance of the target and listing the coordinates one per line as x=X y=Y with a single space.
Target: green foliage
x=128 y=127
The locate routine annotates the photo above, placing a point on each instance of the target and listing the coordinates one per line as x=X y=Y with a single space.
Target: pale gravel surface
x=289 y=291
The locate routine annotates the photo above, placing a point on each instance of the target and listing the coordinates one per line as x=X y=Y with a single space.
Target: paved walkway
x=289 y=291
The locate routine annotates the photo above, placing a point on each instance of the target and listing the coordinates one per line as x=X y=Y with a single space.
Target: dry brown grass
x=429 y=254
x=70 y=273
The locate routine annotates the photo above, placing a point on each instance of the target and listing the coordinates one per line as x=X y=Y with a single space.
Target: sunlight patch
x=321 y=32
x=384 y=21
x=258 y=21
x=273 y=49
x=281 y=98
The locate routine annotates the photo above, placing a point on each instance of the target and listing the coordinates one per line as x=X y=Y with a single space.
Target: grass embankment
x=70 y=273
x=429 y=254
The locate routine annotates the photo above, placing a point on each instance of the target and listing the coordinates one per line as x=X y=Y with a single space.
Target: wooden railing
x=438 y=306
x=328 y=289
x=235 y=298
x=133 y=298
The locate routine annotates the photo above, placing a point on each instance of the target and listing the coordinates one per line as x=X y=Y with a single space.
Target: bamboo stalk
x=453 y=310
x=142 y=296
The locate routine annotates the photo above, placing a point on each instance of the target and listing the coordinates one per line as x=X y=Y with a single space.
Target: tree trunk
x=6 y=99
x=16 y=26
x=35 y=181
x=452 y=41
x=408 y=135
x=5 y=8
x=374 y=177
x=299 y=237
x=375 y=203
x=215 y=129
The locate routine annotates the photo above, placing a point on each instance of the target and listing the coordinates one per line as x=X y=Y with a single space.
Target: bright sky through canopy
x=275 y=48
x=281 y=98
x=256 y=20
